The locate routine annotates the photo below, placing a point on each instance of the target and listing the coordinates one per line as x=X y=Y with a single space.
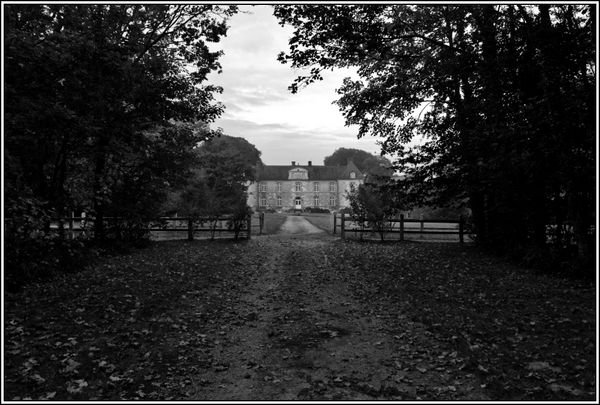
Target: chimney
x=293 y=163
x=310 y=163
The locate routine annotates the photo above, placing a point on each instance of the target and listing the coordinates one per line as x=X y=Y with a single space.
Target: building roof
x=264 y=173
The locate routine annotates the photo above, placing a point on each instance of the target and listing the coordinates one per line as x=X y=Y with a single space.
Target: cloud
x=280 y=143
x=250 y=97
x=284 y=126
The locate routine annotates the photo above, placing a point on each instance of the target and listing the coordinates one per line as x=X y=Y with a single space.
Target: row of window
x=316 y=201
x=298 y=186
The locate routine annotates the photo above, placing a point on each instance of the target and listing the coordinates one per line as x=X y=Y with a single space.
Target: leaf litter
x=153 y=325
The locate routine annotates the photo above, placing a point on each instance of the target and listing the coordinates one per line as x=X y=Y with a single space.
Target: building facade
x=284 y=188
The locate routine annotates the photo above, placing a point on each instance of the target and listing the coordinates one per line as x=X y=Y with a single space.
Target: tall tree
x=365 y=161
x=94 y=90
x=223 y=168
x=502 y=95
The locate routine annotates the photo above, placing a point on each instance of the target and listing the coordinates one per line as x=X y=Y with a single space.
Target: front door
x=298 y=203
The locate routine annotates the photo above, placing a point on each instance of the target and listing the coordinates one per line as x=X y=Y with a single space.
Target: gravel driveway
x=299 y=333
x=298 y=225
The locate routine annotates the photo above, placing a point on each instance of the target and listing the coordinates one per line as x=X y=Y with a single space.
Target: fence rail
x=346 y=224
x=73 y=226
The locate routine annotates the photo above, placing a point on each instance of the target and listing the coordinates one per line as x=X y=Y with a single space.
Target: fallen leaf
x=542 y=365
x=71 y=366
x=565 y=388
x=76 y=386
x=49 y=395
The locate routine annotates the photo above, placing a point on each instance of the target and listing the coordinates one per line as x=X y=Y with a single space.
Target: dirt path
x=297 y=333
x=301 y=317
x=298 y=225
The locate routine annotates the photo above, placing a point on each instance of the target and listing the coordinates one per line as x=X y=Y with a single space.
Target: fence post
x=261 y=222
x=334 y=222
x=71 y=235
x=342 y=226
x=422 y=226
x=190 y=229
x=249 y=226
x=401 y=226
x=461 y=229
x=61 y=228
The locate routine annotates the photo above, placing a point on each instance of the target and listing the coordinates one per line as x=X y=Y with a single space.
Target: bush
x=127 y=233
x=317 y=210
x=38 y=259
x=239 y=218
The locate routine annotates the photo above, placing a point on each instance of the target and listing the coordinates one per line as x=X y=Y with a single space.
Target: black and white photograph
x=302 y=202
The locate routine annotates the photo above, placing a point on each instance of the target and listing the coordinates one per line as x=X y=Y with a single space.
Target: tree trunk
x=99 y=188
x=579 y=211
x=477 y=208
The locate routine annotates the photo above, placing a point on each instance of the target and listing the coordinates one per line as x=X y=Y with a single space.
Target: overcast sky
x=259 y=107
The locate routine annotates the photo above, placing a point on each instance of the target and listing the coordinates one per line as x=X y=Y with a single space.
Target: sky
x=285 y=127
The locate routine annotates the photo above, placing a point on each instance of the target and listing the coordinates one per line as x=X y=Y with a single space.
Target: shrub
x=239 y=218
x=346 y=210
x=373 y=207
x=317 y=210
x=38 y=259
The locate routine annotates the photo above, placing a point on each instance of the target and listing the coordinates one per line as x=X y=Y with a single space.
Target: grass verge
x=321 y=221
x=273 y=222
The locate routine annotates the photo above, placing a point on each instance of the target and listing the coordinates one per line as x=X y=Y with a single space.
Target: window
x=263 y=187
x=316 y=187
x=316 y=201
x=278 y=187
x=332 y=201
x=352 y=186
x=332 y=186
x=352 y=175
x=263 y=202
x=298 y=174
x=298 y=186
x=279 y=201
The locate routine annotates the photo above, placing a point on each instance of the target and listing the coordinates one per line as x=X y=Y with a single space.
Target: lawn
x=273 y=222
x=322 y=221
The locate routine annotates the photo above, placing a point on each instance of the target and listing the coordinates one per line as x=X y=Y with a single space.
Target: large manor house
x=284 y=188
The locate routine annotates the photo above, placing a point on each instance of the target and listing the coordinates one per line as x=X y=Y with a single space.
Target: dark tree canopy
x=365 y=161
x=503 y=95
x=223 y=168
x=104 y=103
x=235 y=155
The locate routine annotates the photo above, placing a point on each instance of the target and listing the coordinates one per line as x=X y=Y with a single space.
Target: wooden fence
x=261 y=222
x=402 y=227
x=82 y=226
